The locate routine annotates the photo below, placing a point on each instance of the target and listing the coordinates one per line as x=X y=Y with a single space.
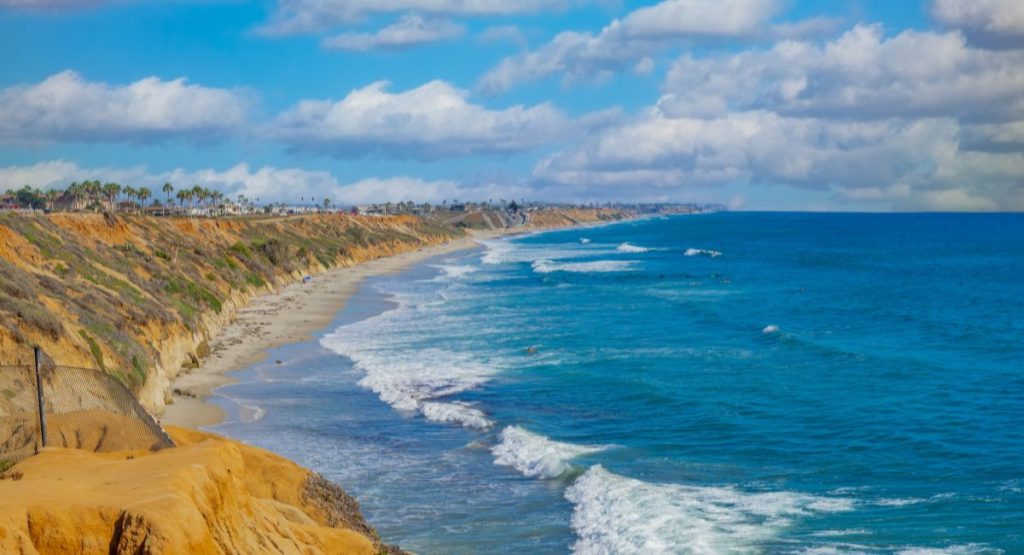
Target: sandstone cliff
x=208 y=495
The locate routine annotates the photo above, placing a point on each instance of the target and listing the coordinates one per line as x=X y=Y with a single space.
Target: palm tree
x=131 y=192
x=167 y=189
x=111 y=190
x=51 y=198
x=197 y=195
x=144 y=194
x=182 y=196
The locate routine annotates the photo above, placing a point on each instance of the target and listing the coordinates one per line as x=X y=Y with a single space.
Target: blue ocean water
x=724 y=383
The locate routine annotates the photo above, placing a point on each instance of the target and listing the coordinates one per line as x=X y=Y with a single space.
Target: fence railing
x=46 y=405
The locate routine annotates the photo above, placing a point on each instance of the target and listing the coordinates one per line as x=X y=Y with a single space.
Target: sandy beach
x=289 y=316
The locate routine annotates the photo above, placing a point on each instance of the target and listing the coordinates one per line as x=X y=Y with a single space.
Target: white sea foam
x=584 y=240
x=454 y=271
x=548 y=266
x=627 y=247
x=537 y=456
x=615 y=514
x=962 y=549
x=702 y=252
x=771 y=328
x=456 y=412
x=509 y=252
x=400 y=369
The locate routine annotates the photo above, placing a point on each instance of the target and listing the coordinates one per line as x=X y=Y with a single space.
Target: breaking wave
x=548 y=266
x=627 y=247
x=537 y=456
x=615 y=514
x=702 y=252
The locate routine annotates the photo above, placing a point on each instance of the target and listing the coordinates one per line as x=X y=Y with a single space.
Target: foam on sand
x=627 y=247
x=548 y=266
x=615 y=514
x=702 y=252
x=456 y=412
x=537 y=456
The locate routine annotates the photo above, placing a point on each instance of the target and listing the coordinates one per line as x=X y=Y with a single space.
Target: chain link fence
x=81 y=408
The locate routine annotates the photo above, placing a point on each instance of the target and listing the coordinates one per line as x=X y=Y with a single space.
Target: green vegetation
x=94 y=348
x=113 y=276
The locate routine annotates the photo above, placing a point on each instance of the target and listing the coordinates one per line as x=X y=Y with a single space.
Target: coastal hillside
x=208 y=495
x=140 y=296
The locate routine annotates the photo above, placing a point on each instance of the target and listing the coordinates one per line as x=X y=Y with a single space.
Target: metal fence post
x=39 y=397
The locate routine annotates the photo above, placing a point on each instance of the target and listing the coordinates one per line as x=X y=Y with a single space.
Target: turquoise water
x=727 y=383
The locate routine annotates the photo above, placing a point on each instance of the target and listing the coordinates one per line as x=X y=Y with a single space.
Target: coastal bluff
x=142 y=297
x=207 y=495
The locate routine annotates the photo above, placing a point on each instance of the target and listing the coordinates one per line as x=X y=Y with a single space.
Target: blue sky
x=758 y=104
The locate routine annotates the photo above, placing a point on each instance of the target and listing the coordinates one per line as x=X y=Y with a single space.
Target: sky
x=864 y=105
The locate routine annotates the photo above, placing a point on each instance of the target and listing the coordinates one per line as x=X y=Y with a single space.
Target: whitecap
x=537 y=456
x=615 y=514
x=548 y=266
x=627 y=247
x=702 y=252
x=584 y=240
x=771 y=328
x=961 y=549
x=456 y=412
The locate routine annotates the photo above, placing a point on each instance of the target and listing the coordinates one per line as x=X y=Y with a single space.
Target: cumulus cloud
x=65 y=107
x=411 y=30
x=431 y=121
x=861 y=74
x=624 y=42
x=267 y=183
x=997 y=23
x=913 y=164
x=305 y=16
x=849 y=116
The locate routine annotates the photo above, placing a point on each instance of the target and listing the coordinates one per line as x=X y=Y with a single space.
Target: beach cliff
x=207 y=495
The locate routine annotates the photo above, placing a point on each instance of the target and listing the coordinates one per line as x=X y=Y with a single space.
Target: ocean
x=719 y=383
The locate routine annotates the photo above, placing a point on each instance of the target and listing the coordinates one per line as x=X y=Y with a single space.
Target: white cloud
x=430 y=121
x=410 y=30
x=909 y=163
x=989 y=22
x=65 y=107
x=267 y=183
x=304 y=16
x=861 y=74
x=626 y=41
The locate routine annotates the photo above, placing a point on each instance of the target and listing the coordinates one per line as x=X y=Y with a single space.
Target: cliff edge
x=208 y=495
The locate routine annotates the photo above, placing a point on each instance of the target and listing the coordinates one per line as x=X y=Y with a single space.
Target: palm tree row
x=197 y=195
x=90 y=193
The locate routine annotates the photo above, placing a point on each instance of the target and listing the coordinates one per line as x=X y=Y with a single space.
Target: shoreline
x=293 y=314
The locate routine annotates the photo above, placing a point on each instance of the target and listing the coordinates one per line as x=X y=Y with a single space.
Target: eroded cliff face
x=208 y=495
x=140 y=297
